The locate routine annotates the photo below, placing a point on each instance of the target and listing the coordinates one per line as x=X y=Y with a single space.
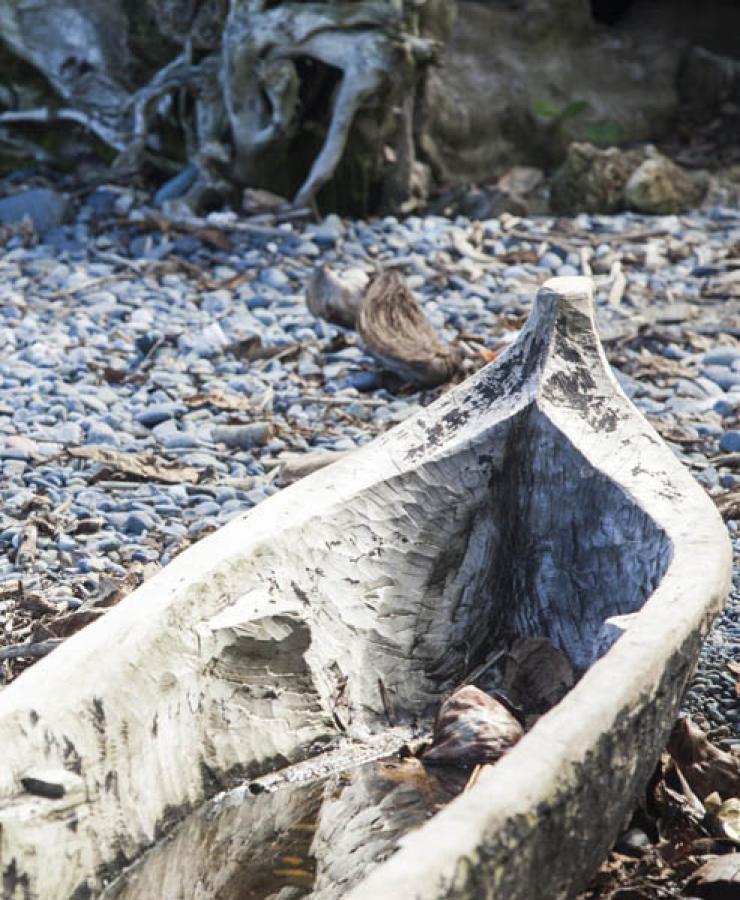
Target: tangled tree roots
x=293 y=97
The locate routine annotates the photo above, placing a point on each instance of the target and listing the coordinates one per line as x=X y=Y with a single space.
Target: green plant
x=602 y=134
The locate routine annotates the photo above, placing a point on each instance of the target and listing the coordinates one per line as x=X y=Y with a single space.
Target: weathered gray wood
x=532 y=500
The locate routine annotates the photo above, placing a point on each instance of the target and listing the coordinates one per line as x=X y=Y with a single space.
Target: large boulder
x=611 y=180
x=593 y=180
x=661 y=187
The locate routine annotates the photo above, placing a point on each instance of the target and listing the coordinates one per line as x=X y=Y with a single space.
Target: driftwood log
x=530 y=501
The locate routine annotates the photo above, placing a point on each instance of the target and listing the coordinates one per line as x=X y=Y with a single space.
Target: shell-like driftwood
x=530 y=501
x=334 y=297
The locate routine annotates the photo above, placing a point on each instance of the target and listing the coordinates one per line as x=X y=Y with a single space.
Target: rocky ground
x=156 y=375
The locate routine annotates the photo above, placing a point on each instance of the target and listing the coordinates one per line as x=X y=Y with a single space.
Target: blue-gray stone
x=730 y=442
x=722 y=376
x=156 y=413
x=567 y=271
x=181 y=440
x=275 y=278
x=328 y=232
x=207 y=508
x=722 y=356
x=176 y=186
x=138 y=523
x=100 y=433
x=727 y=408
x=46 y=208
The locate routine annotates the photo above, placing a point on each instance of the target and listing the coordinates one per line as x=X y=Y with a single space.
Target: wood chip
x=335 y=297
x=26 y=553
x=294 y=468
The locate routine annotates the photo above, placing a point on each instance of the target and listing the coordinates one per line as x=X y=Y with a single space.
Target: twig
x=731 y=460
x=619 y=283
x=483 y=667
x=93 y=283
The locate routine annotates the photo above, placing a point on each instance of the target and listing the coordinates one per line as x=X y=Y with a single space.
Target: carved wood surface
x=532 y=500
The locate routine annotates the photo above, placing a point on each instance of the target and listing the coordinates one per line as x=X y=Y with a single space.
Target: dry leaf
x=220 y=400
x=472 y=728
x=537 y=675
x=136 y=466
x=71 y=622
x=705 y=767
x=724 y=816
x=718 y=879
x=488 y=355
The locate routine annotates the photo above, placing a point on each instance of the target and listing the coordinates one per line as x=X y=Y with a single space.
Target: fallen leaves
x=692 y=810
x=135 y=466
x=718 y=879
x=728 y=505
x=219 y=399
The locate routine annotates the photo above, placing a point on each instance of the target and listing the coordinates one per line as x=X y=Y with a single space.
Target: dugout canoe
x=531 y=500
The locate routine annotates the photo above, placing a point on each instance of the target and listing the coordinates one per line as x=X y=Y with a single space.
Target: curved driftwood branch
x=531 y=501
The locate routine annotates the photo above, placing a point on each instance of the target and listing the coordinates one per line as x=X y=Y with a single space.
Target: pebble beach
x=156 y=376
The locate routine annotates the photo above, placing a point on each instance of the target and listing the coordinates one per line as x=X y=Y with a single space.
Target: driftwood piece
x=334 y=297
x=398 y=334
x=531 y=501
x=247 y=84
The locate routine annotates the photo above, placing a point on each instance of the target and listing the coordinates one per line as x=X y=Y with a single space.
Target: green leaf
x=605 y=133
x=574 y=108
x=545 y=108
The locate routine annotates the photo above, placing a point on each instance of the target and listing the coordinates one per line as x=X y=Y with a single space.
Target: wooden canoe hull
x=531 y=500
